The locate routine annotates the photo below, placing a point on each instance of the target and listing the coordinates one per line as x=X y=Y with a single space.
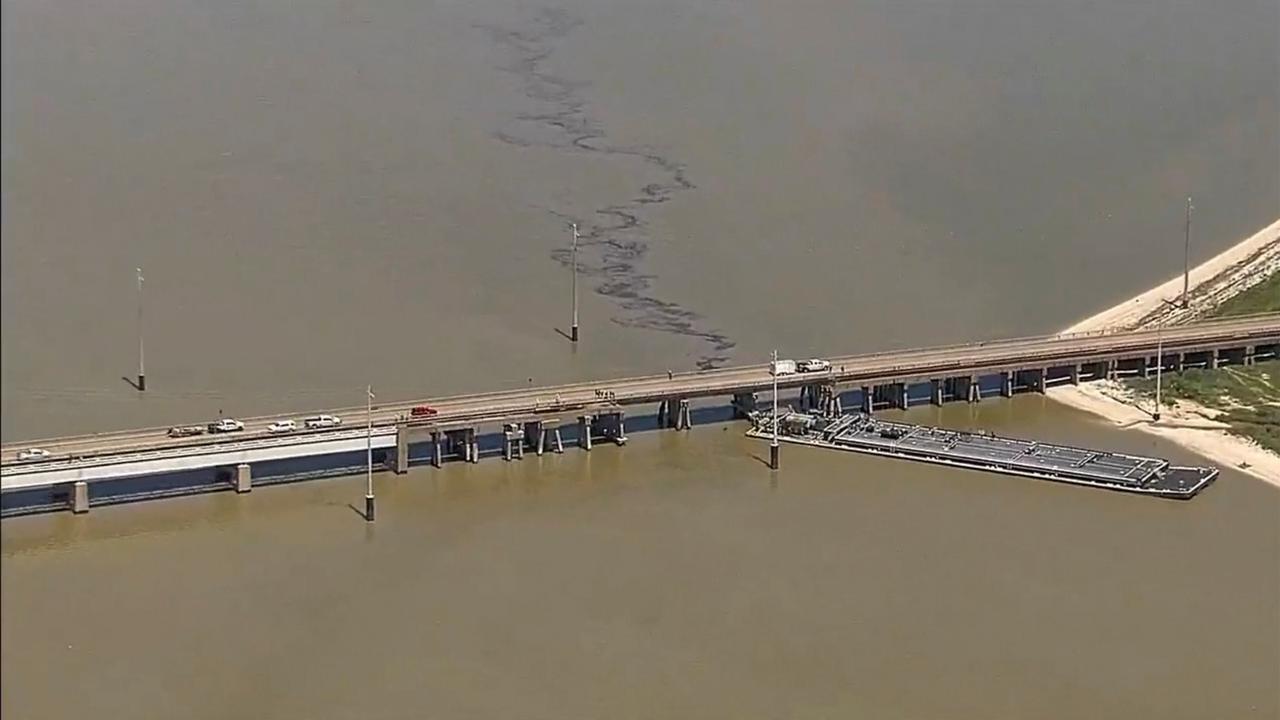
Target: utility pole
x=1159 y=367
x=368 y=494
x=573 y=331
x=142 y=371
x=773 y=446
x=1186 y=257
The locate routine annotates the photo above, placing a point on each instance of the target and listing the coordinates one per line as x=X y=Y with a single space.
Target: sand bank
x=1187 y=424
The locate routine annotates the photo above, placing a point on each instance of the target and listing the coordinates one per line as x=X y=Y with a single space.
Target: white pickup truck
x=814 y=365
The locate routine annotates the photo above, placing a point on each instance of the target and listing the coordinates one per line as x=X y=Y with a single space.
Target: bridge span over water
x=531 y=418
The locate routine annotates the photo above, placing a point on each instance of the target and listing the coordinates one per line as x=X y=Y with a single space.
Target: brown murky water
x=329 y=194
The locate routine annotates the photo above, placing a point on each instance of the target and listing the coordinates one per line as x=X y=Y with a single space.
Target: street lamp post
x=573 y=330
x=773 y=446
x=142 y=371
x=368 y=494
x=1159 y=367
x=1186 y=257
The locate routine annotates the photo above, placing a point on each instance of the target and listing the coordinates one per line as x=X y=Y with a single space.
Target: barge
x=985 y=451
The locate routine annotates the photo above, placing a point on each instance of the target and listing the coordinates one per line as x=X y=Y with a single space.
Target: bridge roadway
x=896 y=366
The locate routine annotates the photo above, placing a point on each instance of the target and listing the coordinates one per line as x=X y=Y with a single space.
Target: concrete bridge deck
x=1028 y=363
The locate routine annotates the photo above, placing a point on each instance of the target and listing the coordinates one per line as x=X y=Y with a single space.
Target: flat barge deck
x=988 y=452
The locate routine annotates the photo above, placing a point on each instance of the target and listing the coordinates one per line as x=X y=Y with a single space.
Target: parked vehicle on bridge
x=782 y=367
x=814 y=365
x=226 y=425
x=423 y=411
x=280 y=427
x=33 y=454
x=322 y=421
x=182 y=431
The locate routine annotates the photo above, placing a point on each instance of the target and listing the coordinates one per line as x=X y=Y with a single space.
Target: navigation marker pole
x=1155 y=417
x=368 y=495
x=573 y=330
x=1186 y=257
x=773 y=446
x=142 y=372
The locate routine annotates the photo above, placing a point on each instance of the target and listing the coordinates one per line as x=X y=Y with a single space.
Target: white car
x=323 y=421
x=34 y=454
x=281 y=427
x=814 y=365
x=226 y=425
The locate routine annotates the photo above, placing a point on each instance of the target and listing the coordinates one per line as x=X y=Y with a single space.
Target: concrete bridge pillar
x=613 y=425
x=1113 y=369
x=902 y=395
x=868 y=399
x=1042 y=380
x=1214 y=360
x=79 y=497
x=1249 y=353
x=1006 y=384
x=399 y=461
x=558 y=442
x=244 y=478
x=935 y=394
x=1075 y=374
x=512 y=442
x=437 y=452
x=473 y=438
x=584 y=432
x=674 y=413
x=975 y=390
x=1179 y=361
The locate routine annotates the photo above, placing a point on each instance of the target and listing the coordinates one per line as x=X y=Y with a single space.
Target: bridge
x=531 y=418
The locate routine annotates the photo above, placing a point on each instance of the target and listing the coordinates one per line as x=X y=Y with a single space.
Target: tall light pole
x=773 y=446
x=142 y=371
x=1186 y=257
x=368 y=493
x=573 y=330
x=1159 y=367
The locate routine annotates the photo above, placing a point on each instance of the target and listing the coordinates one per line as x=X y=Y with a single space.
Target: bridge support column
x=79 y=497
x=534 y=437
x=1075 y=374
x=473 y=441
x=437 y=452
x=1249 y=352
x=399 y=462
x=679 y=417
x=935 y=392
x=1006 y=384
x=559 y=443
x=902 y=395
x=1178 y=361
x=244 y=478
x=868 y=399
x=584 y=432
x=1113 y=369
x=975 y=389
x=1042 y=380
x=743 y=405
x=512 y=442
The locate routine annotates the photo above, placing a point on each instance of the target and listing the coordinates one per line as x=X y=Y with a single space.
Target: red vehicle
x=423 y=411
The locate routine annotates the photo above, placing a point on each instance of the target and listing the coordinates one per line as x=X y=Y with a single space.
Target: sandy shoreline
x=1187 y=424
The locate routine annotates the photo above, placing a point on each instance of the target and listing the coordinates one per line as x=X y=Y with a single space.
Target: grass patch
x=1249 y=396
x=1263 y=297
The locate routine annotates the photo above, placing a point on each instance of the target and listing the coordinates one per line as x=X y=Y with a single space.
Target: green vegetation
x=1263 y=297
x=1249 y=396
